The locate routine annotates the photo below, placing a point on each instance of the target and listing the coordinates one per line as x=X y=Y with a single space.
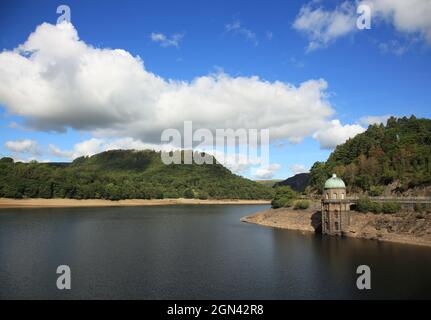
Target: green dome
x=334 y=182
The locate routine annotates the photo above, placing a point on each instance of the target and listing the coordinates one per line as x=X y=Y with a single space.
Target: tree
x=189 y=194
x=284 y=197
x=302 y=205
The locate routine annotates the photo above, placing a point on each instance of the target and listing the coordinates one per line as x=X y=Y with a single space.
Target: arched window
x=334 y=196
x=326 y=195
x=342 y=195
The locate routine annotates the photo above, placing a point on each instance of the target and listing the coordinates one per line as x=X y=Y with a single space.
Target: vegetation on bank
x=286 y=197
x=302 y=205
x=398 y=151
x=364 y=204
x=124 y=174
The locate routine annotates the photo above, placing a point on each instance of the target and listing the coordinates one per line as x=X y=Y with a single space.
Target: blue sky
x=382 y=71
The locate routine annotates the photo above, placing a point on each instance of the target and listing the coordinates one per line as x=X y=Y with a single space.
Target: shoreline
x=368 y=226
x=6 y=203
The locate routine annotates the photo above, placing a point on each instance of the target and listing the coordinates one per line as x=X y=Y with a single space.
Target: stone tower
x=335 y=207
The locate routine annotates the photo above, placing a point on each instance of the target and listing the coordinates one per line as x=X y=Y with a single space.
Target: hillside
x=397 y=154
x=124 y=174
x=268 y=183
x=298 y=182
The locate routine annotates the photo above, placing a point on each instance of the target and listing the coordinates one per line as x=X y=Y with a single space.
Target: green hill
x=268 y=183
x=398 y=152
x=124 y=174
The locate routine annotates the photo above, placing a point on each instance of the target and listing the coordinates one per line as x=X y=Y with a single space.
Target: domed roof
x=334 y=182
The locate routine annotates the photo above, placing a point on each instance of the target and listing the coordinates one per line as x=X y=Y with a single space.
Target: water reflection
x=193 y=252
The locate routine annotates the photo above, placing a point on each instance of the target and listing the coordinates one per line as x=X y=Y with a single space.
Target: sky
x=120 y=72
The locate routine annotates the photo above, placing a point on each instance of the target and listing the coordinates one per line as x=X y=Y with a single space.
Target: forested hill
x=124 y=174
x=399 y=152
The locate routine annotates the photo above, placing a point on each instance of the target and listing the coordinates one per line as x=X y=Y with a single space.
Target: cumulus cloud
x=267 y=172
x=236 y=28
x=368 y=120
x=56 y=81
x=409 y=17
x=297 y=168
x=335 y=133
x=165 y=41
x=95 y=145
x=323 y=27
x=23 y=146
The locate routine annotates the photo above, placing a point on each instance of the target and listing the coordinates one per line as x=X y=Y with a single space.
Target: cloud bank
x=56 y=81
x=335 y=133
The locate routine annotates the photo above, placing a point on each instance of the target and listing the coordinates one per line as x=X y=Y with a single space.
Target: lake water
x=193 y=252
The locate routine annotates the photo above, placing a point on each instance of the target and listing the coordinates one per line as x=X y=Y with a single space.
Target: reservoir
x=194 y=252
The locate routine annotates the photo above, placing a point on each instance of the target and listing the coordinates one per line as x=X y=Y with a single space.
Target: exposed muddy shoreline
x=406 y=227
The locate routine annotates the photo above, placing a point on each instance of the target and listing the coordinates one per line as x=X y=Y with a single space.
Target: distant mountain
x=124 y=174
x=298 y=182
x=398 y=154
x=268 y=183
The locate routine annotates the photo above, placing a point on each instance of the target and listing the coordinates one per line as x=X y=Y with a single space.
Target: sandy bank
x=405 y=227
x=65 y=203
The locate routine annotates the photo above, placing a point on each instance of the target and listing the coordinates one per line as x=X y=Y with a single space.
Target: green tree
x=284 y=197
x=302 y=205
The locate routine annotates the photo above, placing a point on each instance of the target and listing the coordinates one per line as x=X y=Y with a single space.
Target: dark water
x=193 y=252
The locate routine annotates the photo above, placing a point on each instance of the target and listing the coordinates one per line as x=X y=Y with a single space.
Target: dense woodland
x=124 y=174
x=399 y=151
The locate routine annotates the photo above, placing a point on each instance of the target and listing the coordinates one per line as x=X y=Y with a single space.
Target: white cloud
x=322 y=27
x=393 y=46
x=297 y=168
x=56 y=81
x=335 y=133
x=408 y=17
x=368 y=120
x=165 y=41
x=236 y=28
x=95 y=145
x=23 y=146
x=267 y=172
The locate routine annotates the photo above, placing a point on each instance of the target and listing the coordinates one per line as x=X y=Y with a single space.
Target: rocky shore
x=404 y=227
